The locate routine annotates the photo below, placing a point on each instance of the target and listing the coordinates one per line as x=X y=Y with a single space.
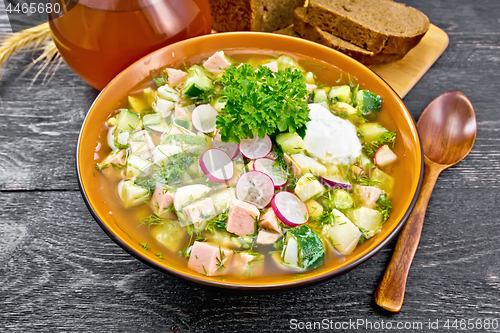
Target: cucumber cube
x=340 y=94
x=151 y=119
x=319 y=95
x=342 y=199
x=197 y=82
x=126 y=121
x=372 y=131
x=290 y=143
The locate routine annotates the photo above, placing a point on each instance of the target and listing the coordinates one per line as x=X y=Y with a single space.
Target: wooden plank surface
x=59 y=272
x=403 y=74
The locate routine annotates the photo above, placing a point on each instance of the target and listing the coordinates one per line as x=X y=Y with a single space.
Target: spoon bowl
x=448 y=131
x=448 y=128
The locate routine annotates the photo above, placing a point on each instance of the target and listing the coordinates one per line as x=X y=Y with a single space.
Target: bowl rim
x=225 y=285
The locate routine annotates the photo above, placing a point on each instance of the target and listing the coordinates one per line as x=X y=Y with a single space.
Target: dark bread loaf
x=375 y=25
x=315 y=34
x=252 y=15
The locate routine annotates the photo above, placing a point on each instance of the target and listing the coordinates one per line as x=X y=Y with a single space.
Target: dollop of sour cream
x=329 y=138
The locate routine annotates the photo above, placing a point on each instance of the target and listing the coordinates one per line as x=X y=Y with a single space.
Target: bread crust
x=315 y=34
x=252 y=15
x=374 y=31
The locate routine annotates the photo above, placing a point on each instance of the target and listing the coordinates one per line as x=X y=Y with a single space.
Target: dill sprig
x=217 y=223
x=384 y=206
x=370 y=148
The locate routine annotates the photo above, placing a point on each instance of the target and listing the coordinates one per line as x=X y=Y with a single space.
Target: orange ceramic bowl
x=408 y=170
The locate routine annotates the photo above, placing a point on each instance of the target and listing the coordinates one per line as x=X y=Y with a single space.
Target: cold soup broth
x=250 y=164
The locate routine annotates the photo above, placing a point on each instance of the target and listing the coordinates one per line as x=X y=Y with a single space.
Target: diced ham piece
x=208 y=259
x=141 y=144
x=175 y=76
x=181 y=113
x=199 y=212
x=368 y=195
x=241 y=218
x=311 y=87
x=269 y=221
x=247 y=264
x=296 y=170
x=217 y=63
x=161 y=201
x=267 y=237
x=272 y=66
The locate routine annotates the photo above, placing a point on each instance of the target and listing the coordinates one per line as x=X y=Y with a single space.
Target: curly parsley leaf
x=261 y=102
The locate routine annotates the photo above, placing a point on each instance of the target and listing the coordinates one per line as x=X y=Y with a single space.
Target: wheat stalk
x=32 y=39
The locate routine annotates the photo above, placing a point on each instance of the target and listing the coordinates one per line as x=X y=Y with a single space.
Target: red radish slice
x=256 y=147
x=216 y=165
x=255 y=187
x=385 y=156
x=290 y=209
x=232 y=149
x=276 y=173
x=204 y=118
x=336 y=182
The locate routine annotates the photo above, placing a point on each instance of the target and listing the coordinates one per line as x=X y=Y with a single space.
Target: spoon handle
x=390 y=292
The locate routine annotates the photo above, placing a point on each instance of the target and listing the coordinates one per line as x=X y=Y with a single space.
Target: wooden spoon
x=448 y=129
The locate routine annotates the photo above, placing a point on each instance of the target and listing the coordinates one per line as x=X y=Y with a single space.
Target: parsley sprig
x=261 y=102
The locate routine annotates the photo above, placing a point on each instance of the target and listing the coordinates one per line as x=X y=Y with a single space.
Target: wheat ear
x=29 y=39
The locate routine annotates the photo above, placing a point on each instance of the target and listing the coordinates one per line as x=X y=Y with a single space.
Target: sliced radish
x=385 y=156
x=256 y=147
x=336 y=182
x=232 y=149
x=290 y=209
x=216 y=165
x=268 y=167
x=255 y=187
x=204 y=118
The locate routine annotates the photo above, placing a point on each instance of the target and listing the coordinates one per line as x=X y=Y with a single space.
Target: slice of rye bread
x=252 y=15
x=376 y=25
x=317 y=35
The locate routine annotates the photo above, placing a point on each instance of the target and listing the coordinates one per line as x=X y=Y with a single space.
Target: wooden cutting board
x=402 y=75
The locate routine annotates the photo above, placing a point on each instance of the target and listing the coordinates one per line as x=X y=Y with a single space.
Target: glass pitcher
x=100 y=38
